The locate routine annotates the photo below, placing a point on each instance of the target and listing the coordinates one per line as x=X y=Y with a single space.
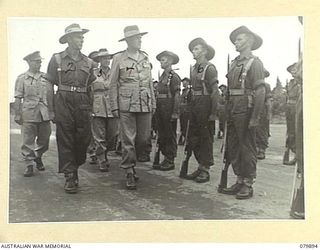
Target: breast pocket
x=128 y=71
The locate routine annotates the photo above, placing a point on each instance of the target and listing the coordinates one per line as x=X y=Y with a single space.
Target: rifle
x=156 y=159
x=187 y=149
x=224 y=172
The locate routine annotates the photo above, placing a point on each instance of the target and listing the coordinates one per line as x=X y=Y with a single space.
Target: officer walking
x=203 y=108
x=292 y=97
x=132 y=98
x=245 y=78
x=104 y=127
x=72 y=72
x=167 y=111
x=33 y=111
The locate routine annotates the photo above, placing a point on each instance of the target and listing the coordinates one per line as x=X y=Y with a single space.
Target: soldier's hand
x=52 y=117
x=253 y=123
x=153 y=111
x=115 y=113
x=174 y=117
x=18 y=119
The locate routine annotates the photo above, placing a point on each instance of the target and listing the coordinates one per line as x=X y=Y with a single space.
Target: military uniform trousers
x=72 y=113
x=105 y=132
x=262 y=132
x=35 y=133
x=201 y=130
x=167 y=129
x=241 y=146
x=183 y=120
x=291 y=128
x=135 y=135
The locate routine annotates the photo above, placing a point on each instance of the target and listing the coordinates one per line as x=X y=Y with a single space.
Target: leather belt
x=70 y=88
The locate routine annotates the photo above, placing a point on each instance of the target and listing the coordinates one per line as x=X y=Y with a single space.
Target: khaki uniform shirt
x=131 y=87
x=254 y=78
x=101 y=99
x=34 y=90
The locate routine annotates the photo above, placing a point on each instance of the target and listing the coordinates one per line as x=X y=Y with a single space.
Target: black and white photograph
x=155 y=119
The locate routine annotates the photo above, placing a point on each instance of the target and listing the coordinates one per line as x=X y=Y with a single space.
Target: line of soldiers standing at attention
x=119 y=102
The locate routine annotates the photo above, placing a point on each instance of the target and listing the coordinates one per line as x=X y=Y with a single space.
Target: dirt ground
x=159 y=196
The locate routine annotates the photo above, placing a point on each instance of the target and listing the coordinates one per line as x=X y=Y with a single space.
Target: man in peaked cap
x=263 y=129
x=167 y=111
x=245 y=78
x=132 y=98
x=292 y=93
x=72 y=72
x=33 y=111
x=104 y=126
x=203 y=108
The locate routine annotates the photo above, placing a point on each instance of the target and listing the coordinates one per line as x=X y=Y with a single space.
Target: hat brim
x=244 y=30
x=175 y=58
x=210 y=50
x=142 y=34
x=63 y=39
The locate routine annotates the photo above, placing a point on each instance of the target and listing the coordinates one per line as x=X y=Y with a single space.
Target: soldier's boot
x=203 y=177
x=286 y=157
x=94 y=159
x=234 y=189
x=167 y=165
x=28 y=172
x=143 y=158
x=39 y=164
x=261 y=154
x=245 y=192
x=193 y=175
x=70 y=185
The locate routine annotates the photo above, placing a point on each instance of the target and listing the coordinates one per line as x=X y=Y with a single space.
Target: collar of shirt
x=141 y=56
x=66 y=53
x=35 y=76
x=247 y=56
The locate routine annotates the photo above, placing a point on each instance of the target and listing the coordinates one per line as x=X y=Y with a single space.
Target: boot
x=245 y=192
x=94 y=160
x=131 y=183
x=203 y=177
x=261 y=154
x=167 y=165
x=28 y=172
x=234 y=189
x=39 y=164
x=70 y=186
x=104 y=166
x=193 y=175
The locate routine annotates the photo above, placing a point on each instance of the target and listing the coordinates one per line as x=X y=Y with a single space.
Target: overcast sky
x=279 y=49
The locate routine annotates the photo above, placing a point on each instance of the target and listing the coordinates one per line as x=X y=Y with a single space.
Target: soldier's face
x=185 y=83
x=35 y=65
x=75 y=41
x=134 y=42
x=165 y=62
x=242 y=42
x=105 y=61
x=198 y=51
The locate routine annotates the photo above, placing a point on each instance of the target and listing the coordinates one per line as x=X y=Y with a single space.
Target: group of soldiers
x=115 y=105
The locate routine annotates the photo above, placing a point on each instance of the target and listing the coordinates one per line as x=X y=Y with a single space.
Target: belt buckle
x=74 y=88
